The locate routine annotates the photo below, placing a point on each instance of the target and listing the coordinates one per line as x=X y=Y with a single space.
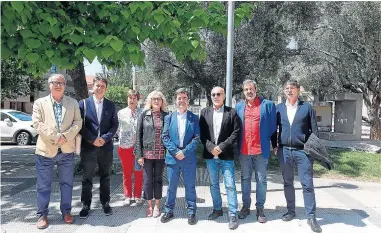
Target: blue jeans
x=287 y=158
x=45 y=175
x=259 y=164
x=227 y=169
x=189 y=175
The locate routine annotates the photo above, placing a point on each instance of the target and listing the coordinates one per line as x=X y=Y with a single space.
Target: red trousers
x=127 y=158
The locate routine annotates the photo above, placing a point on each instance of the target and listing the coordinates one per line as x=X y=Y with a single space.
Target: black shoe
x=261 y=216
x=192 y=219
x=244 y=212
x=288 y=216
x=215 y=214
x=167 y=217
x=233 y=224
x=314 y=225
x=107 y=209
x=84 y=213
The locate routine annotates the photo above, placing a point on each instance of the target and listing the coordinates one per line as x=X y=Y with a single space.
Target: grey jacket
x=145 y=132
x=317 y=151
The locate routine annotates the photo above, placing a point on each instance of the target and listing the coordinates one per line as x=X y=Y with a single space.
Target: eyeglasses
x=216 y=94
x=156 y=99
x=58 y=84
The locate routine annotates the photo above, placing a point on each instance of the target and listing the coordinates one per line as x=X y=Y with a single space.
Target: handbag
x=78 y=138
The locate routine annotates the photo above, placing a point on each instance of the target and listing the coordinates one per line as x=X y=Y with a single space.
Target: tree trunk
x=79 y=81
x=374 y=118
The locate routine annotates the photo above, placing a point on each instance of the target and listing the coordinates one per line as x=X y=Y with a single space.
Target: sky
x=93 y=68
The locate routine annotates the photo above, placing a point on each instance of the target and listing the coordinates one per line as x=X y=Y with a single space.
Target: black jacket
x=145 y=132
x=317 y=151
x=230 y=130
x=296 y=135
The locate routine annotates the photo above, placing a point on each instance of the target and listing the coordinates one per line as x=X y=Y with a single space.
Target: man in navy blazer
x=100 y=125
x=181 y=135
x=296 y=121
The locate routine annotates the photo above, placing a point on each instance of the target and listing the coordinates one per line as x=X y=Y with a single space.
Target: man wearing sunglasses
x=258 y=118
x=57 y=120
x=220 y=129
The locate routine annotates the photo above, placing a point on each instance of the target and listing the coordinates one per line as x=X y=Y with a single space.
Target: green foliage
x=117 y=94
x=112 y=31
x=16 y=82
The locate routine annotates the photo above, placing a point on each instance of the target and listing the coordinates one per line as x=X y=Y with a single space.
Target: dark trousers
x=287 y=158
x=153 y=178
x=45 y=175
x=89 y=160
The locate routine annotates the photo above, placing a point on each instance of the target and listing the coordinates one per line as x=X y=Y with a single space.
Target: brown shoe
x=42 y=222
x=68 y=218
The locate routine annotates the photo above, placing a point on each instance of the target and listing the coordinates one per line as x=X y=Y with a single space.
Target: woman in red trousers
x=128 y=118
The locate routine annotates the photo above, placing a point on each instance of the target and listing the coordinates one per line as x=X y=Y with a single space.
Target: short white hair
x=248 y=81
x=56 y=76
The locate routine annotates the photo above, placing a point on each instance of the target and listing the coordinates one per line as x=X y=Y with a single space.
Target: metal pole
x=229 y=61
x=134 y=86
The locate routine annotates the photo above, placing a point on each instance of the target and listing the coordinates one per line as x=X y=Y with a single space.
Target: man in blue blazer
x=296 y=120
x=181 y=135
x=100 y=124
x=258 y=119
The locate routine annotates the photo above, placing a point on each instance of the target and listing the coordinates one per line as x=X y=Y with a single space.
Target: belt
x=292 y=148
x=59 y=151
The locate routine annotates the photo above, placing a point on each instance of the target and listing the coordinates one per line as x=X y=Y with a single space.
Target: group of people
x=152 y=138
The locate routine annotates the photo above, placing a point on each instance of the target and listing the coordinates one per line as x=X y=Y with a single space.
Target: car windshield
x=21 y=116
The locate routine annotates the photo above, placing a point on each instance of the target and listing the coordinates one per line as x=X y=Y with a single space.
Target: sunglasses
x=216 y=94
x=60 y=84
x=156 y=99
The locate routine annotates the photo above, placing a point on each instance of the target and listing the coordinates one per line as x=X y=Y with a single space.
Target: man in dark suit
x=181 y=135
x=100 y=125
x=220 y=129
x=296 y=121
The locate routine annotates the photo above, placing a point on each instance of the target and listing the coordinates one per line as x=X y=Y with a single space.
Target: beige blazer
x=46 y=126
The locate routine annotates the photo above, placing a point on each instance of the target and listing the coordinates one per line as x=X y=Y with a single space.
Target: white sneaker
x=127 y=201
x=139 y=201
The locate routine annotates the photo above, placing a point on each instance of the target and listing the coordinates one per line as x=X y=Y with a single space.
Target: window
x=5 y=116
x=318 y=118
x=21 y=116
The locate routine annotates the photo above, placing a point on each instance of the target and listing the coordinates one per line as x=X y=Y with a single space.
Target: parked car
x=17 y=127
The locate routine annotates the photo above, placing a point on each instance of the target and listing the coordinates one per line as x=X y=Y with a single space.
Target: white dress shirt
x=98 y=108
x=217 y=121
x=291 y=110
x=181 y=124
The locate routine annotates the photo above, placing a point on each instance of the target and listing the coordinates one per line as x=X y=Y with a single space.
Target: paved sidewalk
x=343 y=206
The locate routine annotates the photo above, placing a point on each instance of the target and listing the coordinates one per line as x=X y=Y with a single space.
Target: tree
x=260 y=51
x=16 y=82
x=64 y=33
x=346 y=48
x=117 y=94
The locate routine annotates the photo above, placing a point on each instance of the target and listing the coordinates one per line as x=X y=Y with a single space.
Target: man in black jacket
x=219 y=130
x=296 y=121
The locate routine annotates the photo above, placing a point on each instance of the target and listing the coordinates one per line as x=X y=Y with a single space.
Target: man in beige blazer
x=57 y=119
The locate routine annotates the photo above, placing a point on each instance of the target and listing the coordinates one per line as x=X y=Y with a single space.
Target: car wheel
x=23 y=138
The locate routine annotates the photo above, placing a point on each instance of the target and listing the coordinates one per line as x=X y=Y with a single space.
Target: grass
x=350 y=165
x=353 y=165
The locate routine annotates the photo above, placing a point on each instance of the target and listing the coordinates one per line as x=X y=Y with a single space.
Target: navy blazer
x=304 y=123
x=171 y=138
x=107 y=127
